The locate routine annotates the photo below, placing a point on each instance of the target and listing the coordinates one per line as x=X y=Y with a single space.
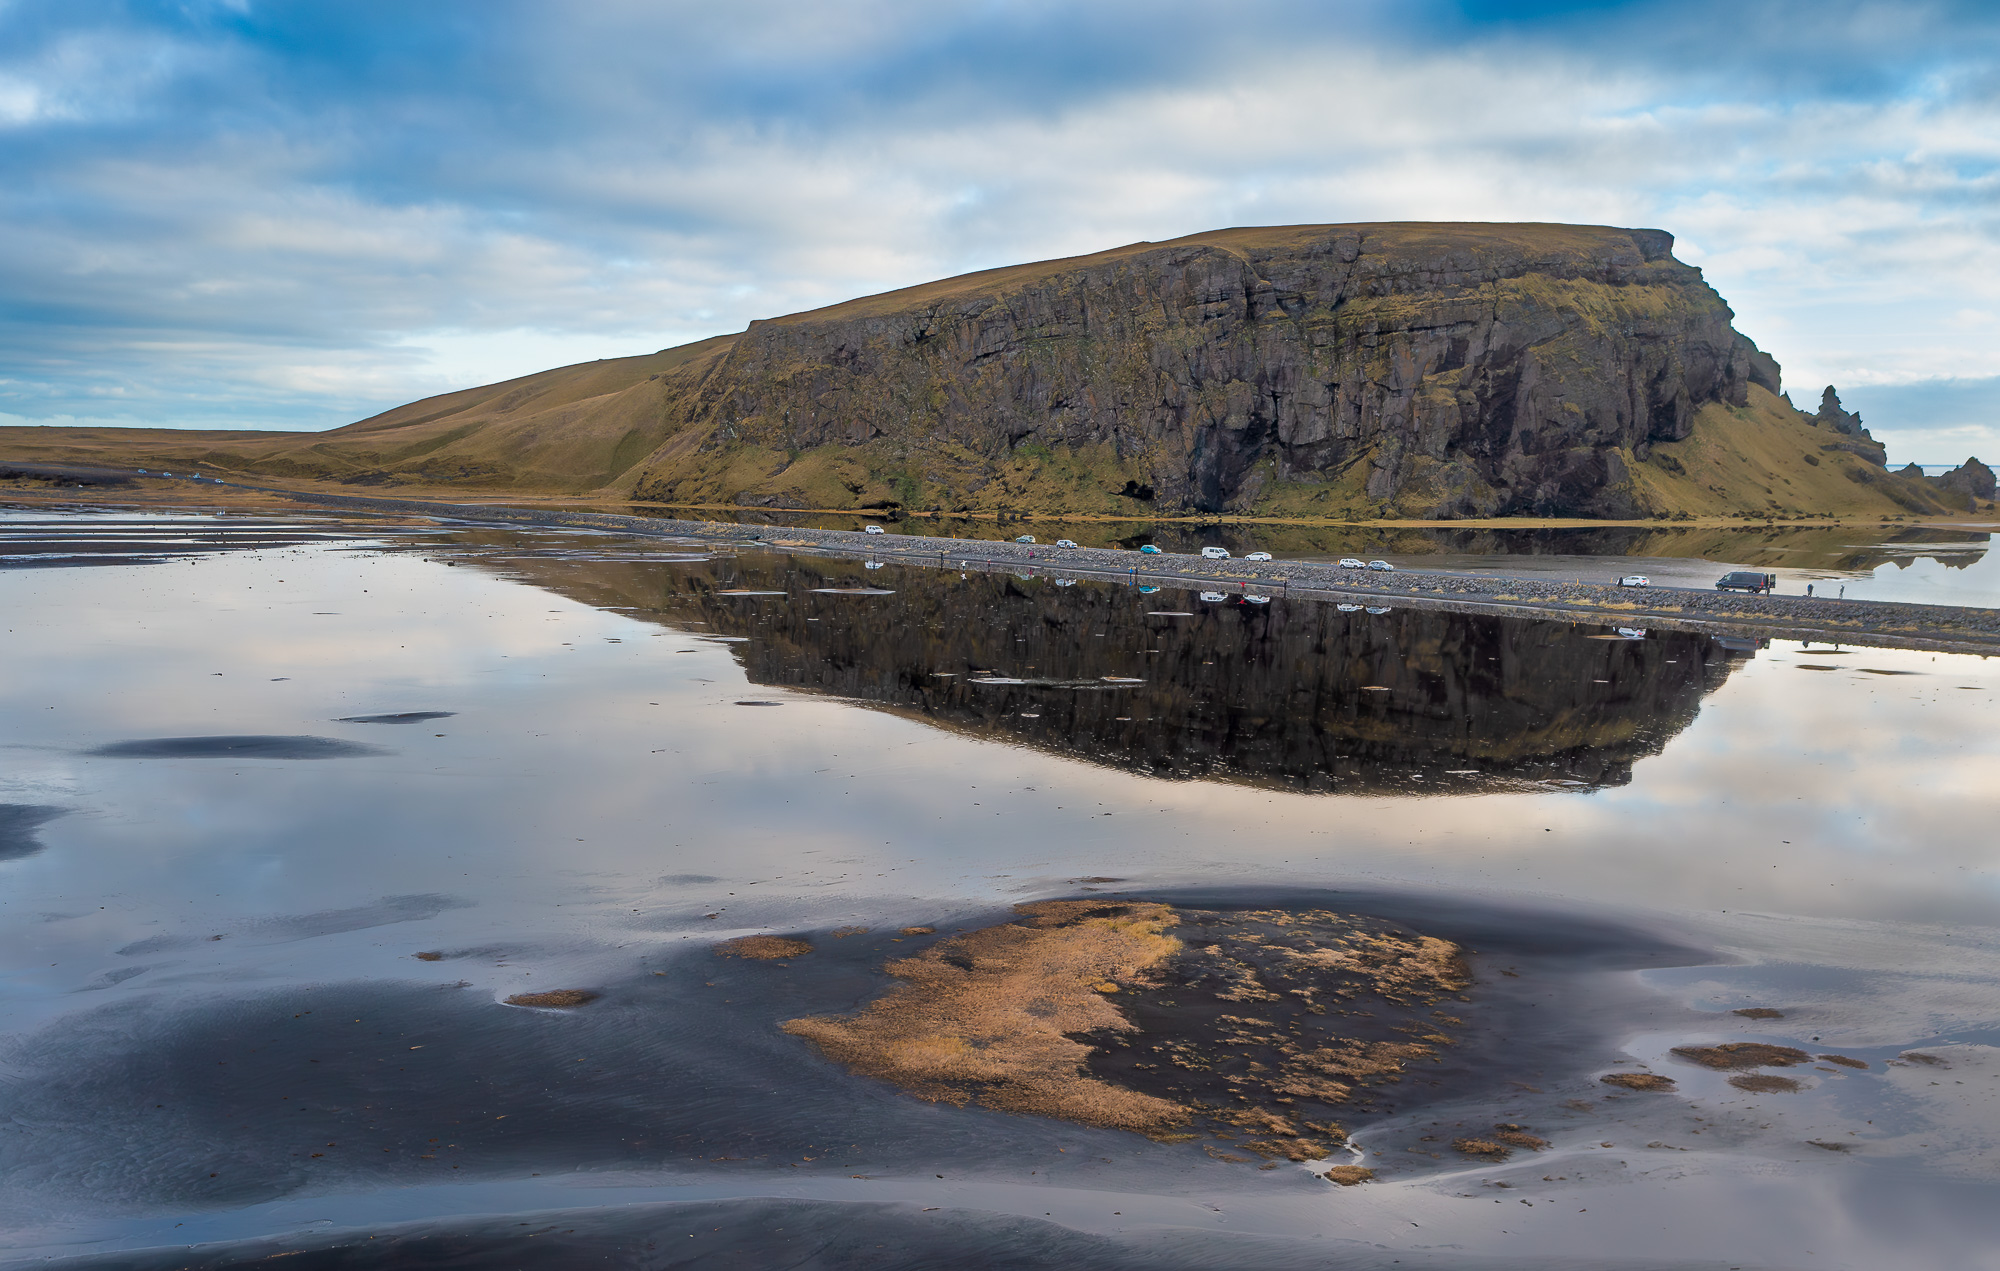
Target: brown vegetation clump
x=1845 y=1061
x=554 y=998
x=1759 y=1012
x=919 y=931
x=1518 y=1136
x=763 y=948
x=1765 y=1083
x=1483 y=1147
x=1638 y=1080
x=1731 y=1055
x=989 y=1016
x=428 y=956
x=1349 y=1175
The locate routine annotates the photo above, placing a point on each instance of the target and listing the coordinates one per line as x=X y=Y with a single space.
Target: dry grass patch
x=1486 y=1148
x=556 y=998
x=1637 y=1080
x=1349 y=1175
x=763 y=948
x=1763 y=1012
x=986 y=1017
x=1732 y=1055
x=1765 y=1083
x=1845 y=1061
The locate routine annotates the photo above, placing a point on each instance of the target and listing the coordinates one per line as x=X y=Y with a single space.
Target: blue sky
x=228 y=213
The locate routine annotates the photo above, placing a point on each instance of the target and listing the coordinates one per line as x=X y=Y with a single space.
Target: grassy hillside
x=1767 y=457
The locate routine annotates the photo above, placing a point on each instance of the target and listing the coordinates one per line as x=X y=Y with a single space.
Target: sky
x=239 y=214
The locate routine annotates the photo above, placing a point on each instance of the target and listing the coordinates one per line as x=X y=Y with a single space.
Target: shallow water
x=244 y=784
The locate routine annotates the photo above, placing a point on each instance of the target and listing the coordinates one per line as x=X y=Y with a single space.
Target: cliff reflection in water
x=1293 y=694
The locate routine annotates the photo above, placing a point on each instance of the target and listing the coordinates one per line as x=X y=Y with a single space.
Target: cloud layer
x=248 y=214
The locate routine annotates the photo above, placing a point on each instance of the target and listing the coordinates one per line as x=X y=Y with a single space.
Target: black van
x=1745 y=580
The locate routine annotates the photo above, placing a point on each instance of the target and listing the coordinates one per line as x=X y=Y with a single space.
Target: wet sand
x=223 y=1033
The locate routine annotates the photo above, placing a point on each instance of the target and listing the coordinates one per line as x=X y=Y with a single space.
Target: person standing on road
x=1809 y=590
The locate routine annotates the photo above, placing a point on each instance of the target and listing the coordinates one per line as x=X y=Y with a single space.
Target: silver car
x=1063 y=542
x=1381 y=567
x=1635 y=580
x=1349 y=562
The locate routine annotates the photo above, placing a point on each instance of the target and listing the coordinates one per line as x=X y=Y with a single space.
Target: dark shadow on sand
x=18 y=823
x=252 y=746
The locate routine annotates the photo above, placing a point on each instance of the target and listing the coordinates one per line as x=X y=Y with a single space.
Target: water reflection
x=1296 y=695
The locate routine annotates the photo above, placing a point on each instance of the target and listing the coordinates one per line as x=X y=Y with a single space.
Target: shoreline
x=1872 y=623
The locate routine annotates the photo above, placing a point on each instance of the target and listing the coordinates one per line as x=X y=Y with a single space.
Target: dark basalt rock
x=1440 y=370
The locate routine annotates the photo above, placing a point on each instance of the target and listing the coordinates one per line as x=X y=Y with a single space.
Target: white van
x=1215 y=553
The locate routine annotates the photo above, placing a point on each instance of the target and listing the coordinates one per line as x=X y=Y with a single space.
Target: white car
x=1348 y=608
x=873 y=529
x=1065 y=582
x=1349 y=562
x=1213 y=597
x=1256 y=600
x=1063 y=542
x=1215 y=553
x=1258 y=556
x=1378 y=610
x=1635 y=580
x=1631 y=633
x=871 y=564
x=1025 y=538
x=1381 y=567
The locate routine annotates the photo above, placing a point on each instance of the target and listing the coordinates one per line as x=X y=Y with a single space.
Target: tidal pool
x=288 y=815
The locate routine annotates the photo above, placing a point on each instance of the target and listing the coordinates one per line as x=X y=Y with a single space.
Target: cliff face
x=1446 y=370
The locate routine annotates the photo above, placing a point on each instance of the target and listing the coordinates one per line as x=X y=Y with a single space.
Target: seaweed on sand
x=1765 y=1083
x=1731 y=1055
x=1133 y=1015
x=557 y=998
x=989 y=1015
x=1637 y=1080
x=763 y=948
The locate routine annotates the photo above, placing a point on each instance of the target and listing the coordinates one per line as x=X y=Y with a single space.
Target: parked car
x=1258 y=556
x=1746 y=580
x=1147 y=591
x=1348 y=608
x=1065 y=582
x=1215 y=553
x=1063 y=542
x=1378 y=610
x=873 y=529
x=1635 y=580
x=1381 y=567
x=1349 y=562
x=1631 y=633
x=871 y=564
x=1150 y=550
x=1212 y=597
x=1025 y=538
x=1256 y=600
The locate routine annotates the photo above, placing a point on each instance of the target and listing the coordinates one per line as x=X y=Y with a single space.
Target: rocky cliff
x=1443 y=370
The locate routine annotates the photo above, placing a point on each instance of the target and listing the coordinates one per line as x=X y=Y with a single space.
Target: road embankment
x=1881 y=624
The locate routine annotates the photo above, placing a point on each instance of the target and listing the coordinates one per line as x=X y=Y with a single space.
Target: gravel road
x=1882 y=624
